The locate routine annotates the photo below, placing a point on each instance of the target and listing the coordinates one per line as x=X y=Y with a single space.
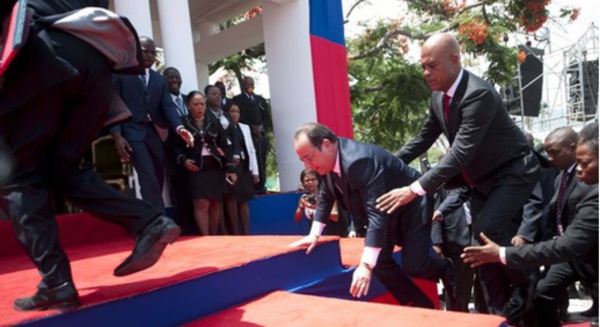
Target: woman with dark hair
x=213 y=104
x=236 y=202
x=209 y=163
x=311 y=182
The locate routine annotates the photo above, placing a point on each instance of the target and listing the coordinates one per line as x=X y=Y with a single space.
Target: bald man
x=488 y=152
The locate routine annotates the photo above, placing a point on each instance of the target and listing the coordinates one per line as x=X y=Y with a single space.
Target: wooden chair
x=108 y=164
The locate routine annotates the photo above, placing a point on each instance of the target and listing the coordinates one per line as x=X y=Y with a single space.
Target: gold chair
x=108 y=164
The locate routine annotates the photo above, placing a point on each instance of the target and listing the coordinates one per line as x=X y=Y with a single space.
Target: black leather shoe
x=591 y=312
x=149 y=246
x=61 y=297
x=449 y=280
x=519 y=303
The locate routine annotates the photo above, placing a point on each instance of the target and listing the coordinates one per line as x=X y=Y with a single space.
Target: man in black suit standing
x=176 y=174
x=147 y=97
x=573 y=254
x=488 y=152
x=355 y=174
x=255 y=113
x=56 y=100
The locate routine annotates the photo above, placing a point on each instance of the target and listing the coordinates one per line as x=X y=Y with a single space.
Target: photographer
x=338 y=219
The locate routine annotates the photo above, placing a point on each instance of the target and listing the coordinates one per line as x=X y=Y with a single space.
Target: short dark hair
x=170 y=69
x=309 y=171
x=191 y=95
x=316 y=134
x=589 y=136
x=208 y=87
x=231 y=104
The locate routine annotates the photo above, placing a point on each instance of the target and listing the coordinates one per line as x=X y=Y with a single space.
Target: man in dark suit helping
x=488 y=152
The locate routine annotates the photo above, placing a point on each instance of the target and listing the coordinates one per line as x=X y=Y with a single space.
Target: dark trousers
x=410 y=229
x=180 y=194
x=464 y=284
x=47 y=137
x=494 y=204
x=262 y=148
x=148 y=160
x=553 y=284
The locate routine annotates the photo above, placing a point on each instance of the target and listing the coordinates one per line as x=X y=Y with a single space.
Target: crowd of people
x=211 y=182
x=494 y=209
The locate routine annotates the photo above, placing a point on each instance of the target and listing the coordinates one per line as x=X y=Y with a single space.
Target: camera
x=311 y=199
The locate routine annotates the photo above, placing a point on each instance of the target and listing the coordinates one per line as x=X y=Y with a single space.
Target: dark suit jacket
x=184 y=99
x=574 y=193
x=452 y=233
x=580 y=240
x=368 y=172
x=213 y=136
x=154 y=101
x=230 y=131
x=529 y=222
x=484 y=139
x=255 y=113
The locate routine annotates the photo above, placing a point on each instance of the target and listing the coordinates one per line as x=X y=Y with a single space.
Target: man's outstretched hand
x=480 y=255
x=186 y=136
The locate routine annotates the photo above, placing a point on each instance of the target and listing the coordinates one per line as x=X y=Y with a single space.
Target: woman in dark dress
x=247 y=171
x=214 y=110
x=209 y=163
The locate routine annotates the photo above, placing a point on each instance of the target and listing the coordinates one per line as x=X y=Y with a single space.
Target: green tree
x=388 y=94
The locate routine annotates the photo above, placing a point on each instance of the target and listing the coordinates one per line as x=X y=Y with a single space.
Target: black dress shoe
x=61 y=297
x=449 y=280
x=591 y=312
x=149 y=246
x=519 y=303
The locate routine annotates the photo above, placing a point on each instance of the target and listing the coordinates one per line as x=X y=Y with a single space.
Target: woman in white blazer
x=236 y=203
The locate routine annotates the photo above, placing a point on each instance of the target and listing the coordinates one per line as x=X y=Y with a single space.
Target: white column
x=176 y=30
x=203 y=75
x=138 y=13
x=286 y=31
x=205 y=30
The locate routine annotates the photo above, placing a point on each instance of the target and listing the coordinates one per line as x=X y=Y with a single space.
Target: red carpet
x=93 y=264
x=297 y=310
x=229 y=266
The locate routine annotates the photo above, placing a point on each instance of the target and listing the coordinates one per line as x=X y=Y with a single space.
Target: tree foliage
x=388 y=94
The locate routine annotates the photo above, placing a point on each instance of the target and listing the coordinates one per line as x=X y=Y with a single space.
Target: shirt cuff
x=317 y=228
x=179 y=128
x=416 y=188
x=502 y=254
x=370 y=256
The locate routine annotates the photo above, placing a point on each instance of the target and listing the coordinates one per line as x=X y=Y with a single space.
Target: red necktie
x=446 y=103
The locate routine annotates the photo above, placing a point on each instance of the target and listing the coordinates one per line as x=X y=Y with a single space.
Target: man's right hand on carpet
x=361 y=279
